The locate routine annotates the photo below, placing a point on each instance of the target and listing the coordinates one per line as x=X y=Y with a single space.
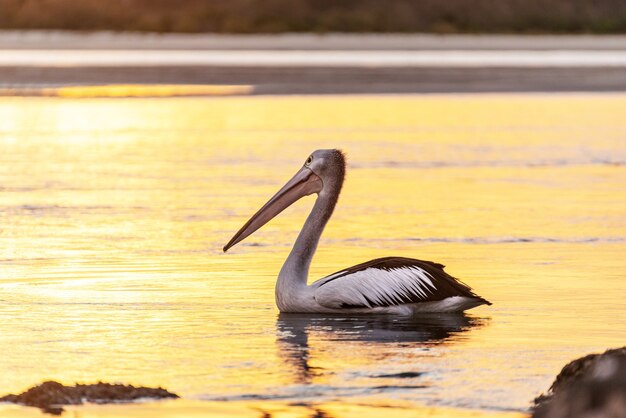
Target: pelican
x=390 y=285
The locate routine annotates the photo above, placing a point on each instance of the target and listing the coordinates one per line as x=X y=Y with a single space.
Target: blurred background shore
x=314 y=63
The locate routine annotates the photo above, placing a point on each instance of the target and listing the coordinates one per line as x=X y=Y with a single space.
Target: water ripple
x=493 y=163
x=500 y=240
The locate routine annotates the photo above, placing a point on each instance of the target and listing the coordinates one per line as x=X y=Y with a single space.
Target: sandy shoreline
x=324 y=42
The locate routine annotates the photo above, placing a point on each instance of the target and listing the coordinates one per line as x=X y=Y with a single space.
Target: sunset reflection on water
x=113 y=213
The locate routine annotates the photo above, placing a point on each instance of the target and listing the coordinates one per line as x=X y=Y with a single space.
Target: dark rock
x=49 y=396
x=591 y=386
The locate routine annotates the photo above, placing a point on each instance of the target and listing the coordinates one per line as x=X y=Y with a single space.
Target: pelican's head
x=322 y=173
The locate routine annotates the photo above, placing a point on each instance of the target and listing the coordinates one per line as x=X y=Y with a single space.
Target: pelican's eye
x=308 y=161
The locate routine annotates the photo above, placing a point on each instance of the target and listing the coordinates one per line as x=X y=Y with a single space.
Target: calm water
x=113 y=214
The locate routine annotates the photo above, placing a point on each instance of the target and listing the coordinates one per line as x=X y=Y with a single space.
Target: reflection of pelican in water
x=424 y=330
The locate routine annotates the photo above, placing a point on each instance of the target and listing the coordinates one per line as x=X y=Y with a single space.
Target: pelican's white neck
x=292 y=278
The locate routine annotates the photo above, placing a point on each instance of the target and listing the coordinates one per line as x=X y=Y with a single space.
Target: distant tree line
x=274 y=16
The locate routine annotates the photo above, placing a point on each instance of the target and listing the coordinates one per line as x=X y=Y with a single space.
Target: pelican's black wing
x=389 y=281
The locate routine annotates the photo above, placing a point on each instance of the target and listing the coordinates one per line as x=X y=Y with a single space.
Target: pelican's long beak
x=304 y=183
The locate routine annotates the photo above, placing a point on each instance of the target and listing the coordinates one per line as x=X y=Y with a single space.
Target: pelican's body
x=391 y=285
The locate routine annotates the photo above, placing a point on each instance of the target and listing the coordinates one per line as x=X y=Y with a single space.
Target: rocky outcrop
x=51 y=396
x=591 y=386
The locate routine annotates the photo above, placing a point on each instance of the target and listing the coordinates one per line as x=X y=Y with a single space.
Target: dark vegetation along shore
x=275 y=16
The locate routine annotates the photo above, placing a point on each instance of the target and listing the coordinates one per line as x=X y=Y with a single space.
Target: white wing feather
x=375 y=287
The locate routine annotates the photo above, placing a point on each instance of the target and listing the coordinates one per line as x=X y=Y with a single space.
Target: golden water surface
x=113 y=213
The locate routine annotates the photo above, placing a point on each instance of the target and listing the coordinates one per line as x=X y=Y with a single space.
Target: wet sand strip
x=28 y=80
x=127 y=90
